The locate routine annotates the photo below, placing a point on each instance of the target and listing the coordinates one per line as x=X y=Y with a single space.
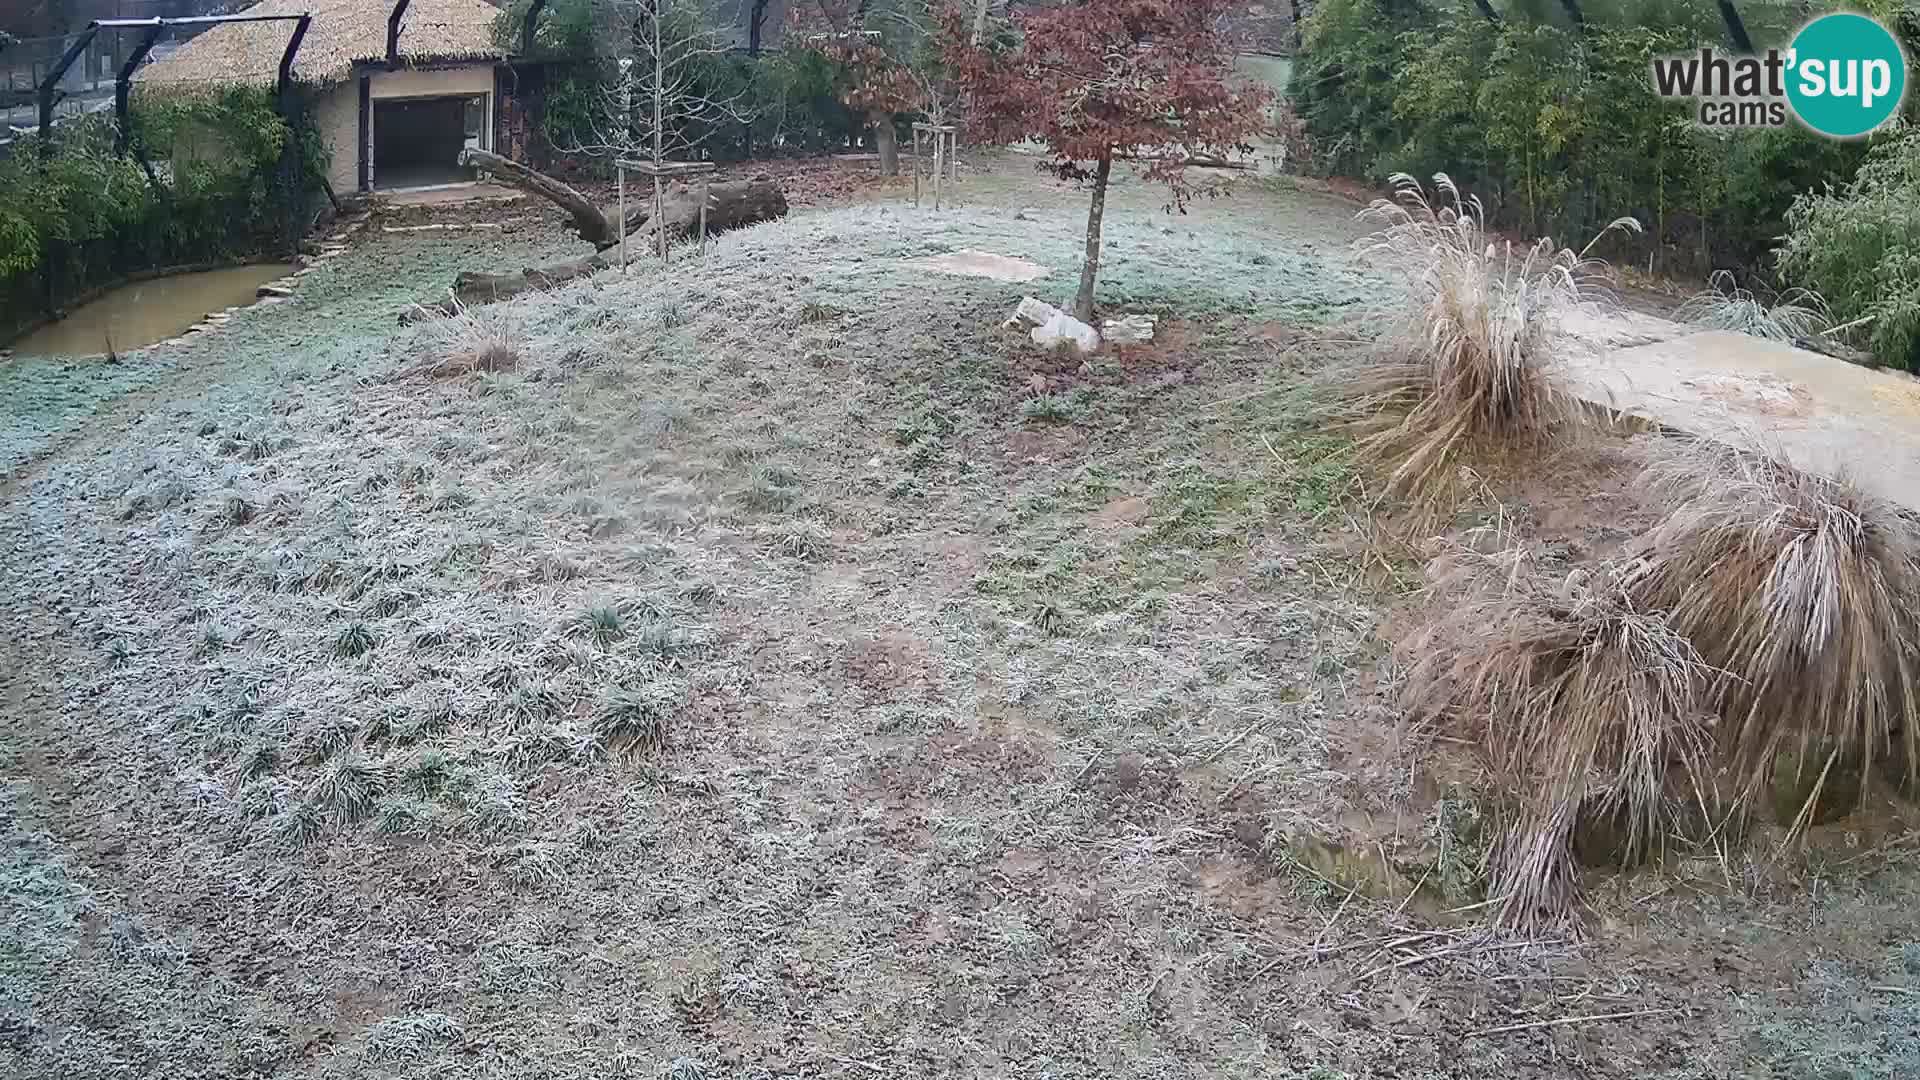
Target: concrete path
x=1825 y=415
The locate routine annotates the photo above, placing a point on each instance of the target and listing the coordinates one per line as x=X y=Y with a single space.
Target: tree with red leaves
x=877 y=47
x=1151 y=80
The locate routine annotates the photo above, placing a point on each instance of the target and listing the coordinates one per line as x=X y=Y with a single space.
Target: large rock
x=1055 y=329
x=1130 y=330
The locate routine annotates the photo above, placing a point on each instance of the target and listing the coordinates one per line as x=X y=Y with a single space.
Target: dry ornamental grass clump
x=1725 y=305
x=1463 y=373
x=1805 y=592
x=1590 y=709
x=1771 y=621
x=489 y=340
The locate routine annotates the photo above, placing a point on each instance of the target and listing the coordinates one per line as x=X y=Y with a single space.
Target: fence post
x=123 y=87
x=52 y=82
x=293 y=156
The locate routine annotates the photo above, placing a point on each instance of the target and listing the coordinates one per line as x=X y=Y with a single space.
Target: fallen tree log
x=472 y=288
x=1192 y=162
x=731 y=204
x=478 y=287
x=593 y=226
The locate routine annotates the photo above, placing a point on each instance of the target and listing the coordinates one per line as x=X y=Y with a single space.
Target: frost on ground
x=765 y=667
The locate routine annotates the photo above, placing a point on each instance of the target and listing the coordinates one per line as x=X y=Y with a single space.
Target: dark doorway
x=417 y=141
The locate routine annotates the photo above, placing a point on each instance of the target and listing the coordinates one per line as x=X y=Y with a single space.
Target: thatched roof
x=344 y=32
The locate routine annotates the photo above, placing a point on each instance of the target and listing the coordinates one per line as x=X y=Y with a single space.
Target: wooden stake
x=659 y=210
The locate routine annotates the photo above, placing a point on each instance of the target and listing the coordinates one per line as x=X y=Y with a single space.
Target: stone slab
x=1825 y=415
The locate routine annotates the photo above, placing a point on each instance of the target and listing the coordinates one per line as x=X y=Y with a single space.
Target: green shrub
x=1557 y=130
x=86 y=214
x=1860 y=249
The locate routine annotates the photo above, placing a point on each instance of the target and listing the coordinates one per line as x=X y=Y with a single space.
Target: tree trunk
x=1575 y=15
x=1297 y=43
x=1736 y=27
x=756 y=25
x=980 y=19
x=1486 y=9
x=1090 y=270
x=473 y=288
x=887 y=142
x=593 y=226
x=730 y=205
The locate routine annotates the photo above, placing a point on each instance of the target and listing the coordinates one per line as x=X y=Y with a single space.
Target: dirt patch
x=889 y=667
x=1587 y=500
x=982 y=264
x=1123 y=514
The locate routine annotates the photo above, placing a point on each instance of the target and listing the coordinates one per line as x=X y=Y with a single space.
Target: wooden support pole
x=51 y=83
x=123 y=88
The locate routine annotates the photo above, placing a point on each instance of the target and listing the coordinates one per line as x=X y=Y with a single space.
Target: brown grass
x=1588 y=708
x=481 y=339
x=1463 y=373
x=1805 y=592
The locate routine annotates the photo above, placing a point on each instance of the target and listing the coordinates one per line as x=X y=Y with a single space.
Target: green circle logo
x=1846 y=75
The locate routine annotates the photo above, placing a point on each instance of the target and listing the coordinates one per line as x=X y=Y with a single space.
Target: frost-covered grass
x=761 y=676
x=344 y=314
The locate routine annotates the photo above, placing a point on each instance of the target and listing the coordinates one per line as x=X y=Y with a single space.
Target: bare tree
x=661 y=97
x=980 y=12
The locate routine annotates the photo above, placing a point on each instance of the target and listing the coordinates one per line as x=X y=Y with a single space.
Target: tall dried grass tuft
x=1725 y=305
x=1589 y=708
x=487 y=339
x=1805 y=592
x=1464 y=372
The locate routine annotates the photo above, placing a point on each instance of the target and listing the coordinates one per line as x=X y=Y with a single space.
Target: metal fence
x=88 y=85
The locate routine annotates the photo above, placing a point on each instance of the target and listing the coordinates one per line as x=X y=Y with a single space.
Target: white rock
x=1054 y=327
x=1035 y=312
x=1064 y=329
x=273 y=289
x=1130 y=330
